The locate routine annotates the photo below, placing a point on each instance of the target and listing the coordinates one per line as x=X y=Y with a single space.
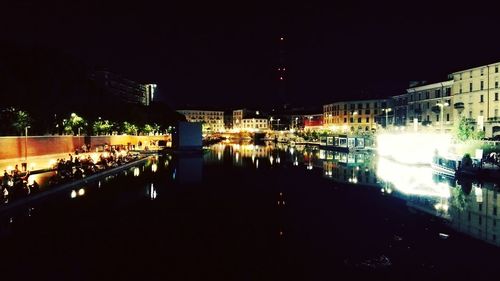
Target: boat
x=445 y=165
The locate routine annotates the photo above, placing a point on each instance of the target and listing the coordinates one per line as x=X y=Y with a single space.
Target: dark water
x=245 y=212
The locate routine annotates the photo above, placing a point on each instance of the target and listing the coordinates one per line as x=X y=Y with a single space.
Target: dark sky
x=225 y=54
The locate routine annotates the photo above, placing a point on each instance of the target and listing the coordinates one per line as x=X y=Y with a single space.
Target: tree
x=102 y=127
x=147 y=129
x=21 y=121
x=71 y=125
x=464 y=130
x=129 y=128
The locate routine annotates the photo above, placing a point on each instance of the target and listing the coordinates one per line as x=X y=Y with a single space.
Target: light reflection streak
x=411 y=180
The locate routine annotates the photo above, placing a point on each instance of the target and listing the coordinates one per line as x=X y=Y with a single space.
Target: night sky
x=226 y=54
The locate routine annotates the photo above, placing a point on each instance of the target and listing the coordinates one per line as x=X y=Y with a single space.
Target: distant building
x=213 y=121
x=117 y=87
x=254 y=124
x=352 y=116
x=476 y=97
x=240 y=114
x=424 y=104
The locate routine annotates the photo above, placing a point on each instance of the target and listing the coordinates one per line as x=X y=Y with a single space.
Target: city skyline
x=225 y=55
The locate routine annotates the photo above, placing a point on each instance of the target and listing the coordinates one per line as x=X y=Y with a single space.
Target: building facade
x=354 y=116
x=213 y=121
x=115 y=86
x=240 y=114
x=254 y=124
x=427 y=105
x=476 y=97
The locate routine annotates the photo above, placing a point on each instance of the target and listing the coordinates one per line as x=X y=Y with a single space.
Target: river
x=259 y=212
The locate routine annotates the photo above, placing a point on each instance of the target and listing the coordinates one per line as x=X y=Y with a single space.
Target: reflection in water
x=468 y=207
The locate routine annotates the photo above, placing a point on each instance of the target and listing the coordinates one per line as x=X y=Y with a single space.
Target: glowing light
x=73 y=194
x=309 y=166
x=81 y=192
x=136 y=171
x=154 y=167
x=411 y=180
x=257 y=163
x=412 y=148
x=52 y=162
x=152 y=192
x=271 y=159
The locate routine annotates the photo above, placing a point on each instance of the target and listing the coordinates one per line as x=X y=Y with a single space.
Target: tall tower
x=282 y=72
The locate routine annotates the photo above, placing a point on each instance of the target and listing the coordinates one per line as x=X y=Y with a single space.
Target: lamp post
x=441 y=108
x=386 y=110
x=271 y=122
x=26 y=143
x=349 y=118
x=278 y=124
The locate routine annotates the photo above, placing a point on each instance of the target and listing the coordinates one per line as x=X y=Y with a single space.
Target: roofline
x=469 y=69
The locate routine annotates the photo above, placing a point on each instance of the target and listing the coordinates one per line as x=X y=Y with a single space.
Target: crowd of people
x=15 y=184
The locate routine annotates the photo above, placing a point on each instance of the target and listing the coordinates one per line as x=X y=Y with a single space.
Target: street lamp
x=349 y=118
x=386 y=110
x=441 y=108
x=271 y=122
x=278 y=124
x=26 y=143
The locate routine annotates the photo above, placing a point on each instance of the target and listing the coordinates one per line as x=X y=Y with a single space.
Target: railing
x=494 y=119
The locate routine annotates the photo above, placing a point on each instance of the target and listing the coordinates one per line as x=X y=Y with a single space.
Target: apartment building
x=352 y=116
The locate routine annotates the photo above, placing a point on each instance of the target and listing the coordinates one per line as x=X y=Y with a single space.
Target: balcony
x=459 y=105
x=494 y=119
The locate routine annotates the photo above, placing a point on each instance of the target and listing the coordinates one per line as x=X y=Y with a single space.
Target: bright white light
x=412 y=148
x=310 y=166
x=271 y=159
x=73 y=194
x=136 y=171
x=154 y=167
x=411 y=180
x=81 y=192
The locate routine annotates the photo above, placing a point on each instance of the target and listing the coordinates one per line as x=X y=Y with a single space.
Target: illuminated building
x=424 y=103
x=361 y=115
x=254 y=124
x=476 y=97
x=240 y=114
x=114 y=86
x=213 y=121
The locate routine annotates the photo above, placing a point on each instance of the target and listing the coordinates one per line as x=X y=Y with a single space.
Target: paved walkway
x=36 y=162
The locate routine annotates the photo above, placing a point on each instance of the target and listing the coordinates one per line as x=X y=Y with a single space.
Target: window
x=351 y=120
x=352 y=105
x=345 y=107
x=367 y=119
x=419 y=96
x=482 y=71
x=437 y=117
x=470 y=74
x=495 y=211
x=345 y=120
x=470 y=87
x=496 y=96
x=482 y=85
x=375 y=112
x=437 y=93
x=427 y=95
x=427 y=118
x=480 y=207
x=367 y=128
x=367 y=105
x=447 y=117
x=359 y=119
x=481 y=98
x=496 y=84
x=460 y=89
x=360 y=105
x=496 y=68
x=367 y=111
x=481 y=113
x=470 y=114
x=428 y=105
x=460 y=76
